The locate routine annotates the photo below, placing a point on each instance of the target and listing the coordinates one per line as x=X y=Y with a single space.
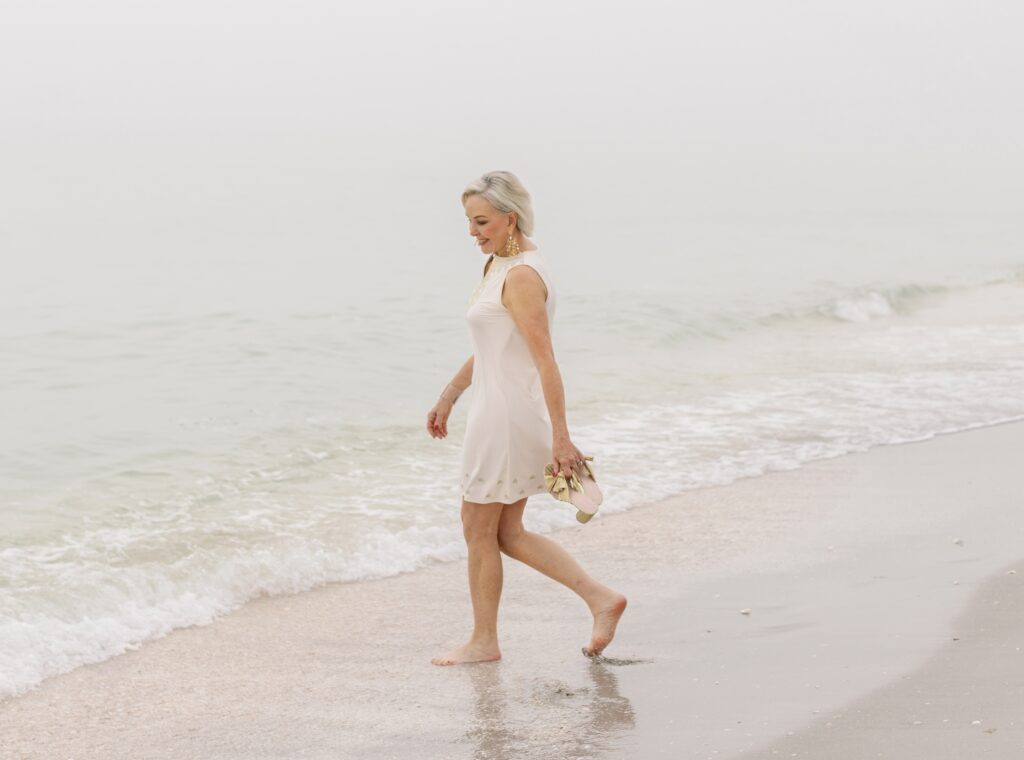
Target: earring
x=514 y=245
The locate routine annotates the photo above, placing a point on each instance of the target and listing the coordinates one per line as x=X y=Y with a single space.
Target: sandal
x=581 y=492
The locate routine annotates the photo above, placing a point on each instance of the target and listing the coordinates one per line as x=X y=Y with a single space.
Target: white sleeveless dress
x=508 y=428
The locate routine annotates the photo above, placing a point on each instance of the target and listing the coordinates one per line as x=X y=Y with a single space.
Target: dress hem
x=499 y=501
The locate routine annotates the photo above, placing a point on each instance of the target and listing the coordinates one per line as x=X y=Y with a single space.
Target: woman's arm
x=525 y=293
x=437 y=418
x=462 y=380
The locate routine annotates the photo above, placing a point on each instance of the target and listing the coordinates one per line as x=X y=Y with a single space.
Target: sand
x=859 y=607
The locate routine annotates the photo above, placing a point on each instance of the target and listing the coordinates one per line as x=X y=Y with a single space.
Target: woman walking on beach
x=516 y=422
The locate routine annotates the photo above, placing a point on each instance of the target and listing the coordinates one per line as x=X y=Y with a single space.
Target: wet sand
x=847 y=609
x=967 y=701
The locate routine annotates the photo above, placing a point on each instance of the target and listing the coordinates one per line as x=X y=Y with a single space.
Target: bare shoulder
x=525 y=281
x=524 y=275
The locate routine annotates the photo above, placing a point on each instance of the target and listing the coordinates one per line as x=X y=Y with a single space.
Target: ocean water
x=187 y=431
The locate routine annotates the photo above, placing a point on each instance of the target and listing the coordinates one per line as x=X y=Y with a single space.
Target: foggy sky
x=131 y=126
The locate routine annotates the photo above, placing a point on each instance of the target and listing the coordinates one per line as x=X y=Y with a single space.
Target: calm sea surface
x=186 y=430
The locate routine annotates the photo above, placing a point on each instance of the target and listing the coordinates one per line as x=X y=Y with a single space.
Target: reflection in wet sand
x=490 y=731
x=547 y=717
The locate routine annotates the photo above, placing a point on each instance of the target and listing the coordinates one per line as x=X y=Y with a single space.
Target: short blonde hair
x=506 y=193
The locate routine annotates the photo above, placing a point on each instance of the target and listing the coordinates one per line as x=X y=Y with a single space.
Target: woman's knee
x=479 y=524
x=477 y=535
x=509 y=537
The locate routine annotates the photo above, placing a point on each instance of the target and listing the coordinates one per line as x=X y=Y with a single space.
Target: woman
x=516 y=421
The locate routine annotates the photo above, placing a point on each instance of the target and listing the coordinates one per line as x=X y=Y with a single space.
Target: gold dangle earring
x=514 y=245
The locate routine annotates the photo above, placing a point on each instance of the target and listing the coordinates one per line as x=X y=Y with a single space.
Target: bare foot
x=470 y=652
x=605 y=620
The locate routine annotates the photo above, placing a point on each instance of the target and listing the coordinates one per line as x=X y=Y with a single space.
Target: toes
x=596 y=647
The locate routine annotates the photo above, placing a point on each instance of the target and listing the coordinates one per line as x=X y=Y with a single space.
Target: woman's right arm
x=437 y=418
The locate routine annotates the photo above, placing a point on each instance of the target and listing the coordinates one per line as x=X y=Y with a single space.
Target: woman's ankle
x=484 y=640
x=601 y=598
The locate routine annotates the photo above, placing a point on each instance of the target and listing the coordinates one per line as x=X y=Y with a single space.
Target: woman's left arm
x=524 y=294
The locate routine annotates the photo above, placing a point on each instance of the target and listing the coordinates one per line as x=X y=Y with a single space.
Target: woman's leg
x=549 y=558
x=480 y=528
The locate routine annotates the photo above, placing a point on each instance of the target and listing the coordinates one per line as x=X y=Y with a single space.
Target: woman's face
x=487 y=225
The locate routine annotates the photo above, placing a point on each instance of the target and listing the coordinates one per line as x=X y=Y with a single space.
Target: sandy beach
x=870 y=605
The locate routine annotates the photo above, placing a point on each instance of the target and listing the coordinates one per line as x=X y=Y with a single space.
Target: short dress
x=508 y=428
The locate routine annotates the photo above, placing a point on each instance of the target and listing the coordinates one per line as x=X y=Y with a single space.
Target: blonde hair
x=506 y=193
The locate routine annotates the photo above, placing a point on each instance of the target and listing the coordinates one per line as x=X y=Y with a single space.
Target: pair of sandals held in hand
x=580 y=491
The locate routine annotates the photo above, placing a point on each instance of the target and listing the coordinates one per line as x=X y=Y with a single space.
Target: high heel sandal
x=582 y=492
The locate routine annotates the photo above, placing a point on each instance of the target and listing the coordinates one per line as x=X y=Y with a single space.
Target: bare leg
x=549 y=558
x=480 y=528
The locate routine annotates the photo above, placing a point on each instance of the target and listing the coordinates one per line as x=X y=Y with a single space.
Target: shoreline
x=828 y=559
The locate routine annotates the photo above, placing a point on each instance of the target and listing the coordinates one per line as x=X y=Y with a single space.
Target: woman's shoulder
x=532 y=256
x=531 y=265
x=537 y=259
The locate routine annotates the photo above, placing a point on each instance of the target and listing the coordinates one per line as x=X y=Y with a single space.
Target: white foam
x=48 y=634
x=862 y=308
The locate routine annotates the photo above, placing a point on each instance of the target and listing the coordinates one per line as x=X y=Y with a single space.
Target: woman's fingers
x=567 y=459
x=577 y=466
x=437 y=422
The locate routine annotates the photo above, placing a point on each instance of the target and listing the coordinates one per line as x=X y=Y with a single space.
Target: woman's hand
x=437 y=418
x=566 y=457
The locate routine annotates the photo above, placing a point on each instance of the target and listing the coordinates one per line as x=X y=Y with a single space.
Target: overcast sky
x=134 y=123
